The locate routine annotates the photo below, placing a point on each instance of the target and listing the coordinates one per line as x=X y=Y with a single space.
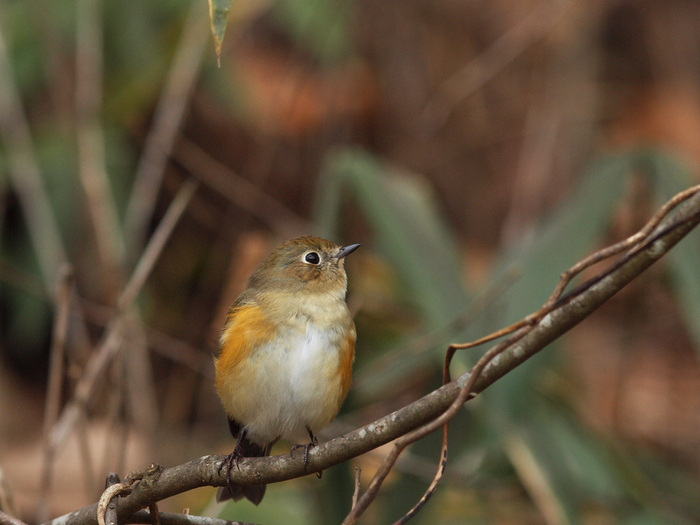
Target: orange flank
x=347 y=356
x=251 y=329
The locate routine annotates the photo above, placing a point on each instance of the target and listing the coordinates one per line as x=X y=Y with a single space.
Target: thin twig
x=140 y=381
x=401 y=443
x=176 y=350
x=619 y=247
x=356 y=492
x=430 y=340
x=474 y=75
x=113 y=339
x=589 y=261
x=155 y=515
x=53 y=390
x=155 y=245
x=85 y=453
x=239 y=190
x=110 y=513
x=103 y=504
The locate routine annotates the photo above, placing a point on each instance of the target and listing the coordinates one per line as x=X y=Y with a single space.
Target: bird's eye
x=312 y=258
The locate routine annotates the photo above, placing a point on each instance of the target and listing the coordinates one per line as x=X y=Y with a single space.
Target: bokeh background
x=475 y=148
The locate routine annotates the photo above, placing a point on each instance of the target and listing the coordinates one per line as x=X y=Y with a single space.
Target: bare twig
x=103 y=506
x=140 y=384
x=156 y=244
x=401 y=443
x=85 y=454
x=494 y=59
x=619 y=247
x=600 y=255
x=356 y=491
x=58 y=342
x=155 y=515
x=239 y=190
x=433 y=338
x=170 y=347
x=113 y=338
x=53 y=391
x=114 y=446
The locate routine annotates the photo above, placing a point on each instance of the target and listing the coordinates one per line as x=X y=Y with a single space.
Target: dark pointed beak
x=347 y=250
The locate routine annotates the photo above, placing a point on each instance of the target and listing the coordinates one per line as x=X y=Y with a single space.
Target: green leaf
x=409 y=230
x=575 y=229
x=321 y=27
x=411 y=233
x=561 y=239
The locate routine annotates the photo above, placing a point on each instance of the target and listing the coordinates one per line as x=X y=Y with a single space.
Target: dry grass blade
x=156 y=244
x=169 y=113
x=56 y=372
x=90 y=137
x=25 y=175
x=239 y=190
x=114 y=336
x=485 y=66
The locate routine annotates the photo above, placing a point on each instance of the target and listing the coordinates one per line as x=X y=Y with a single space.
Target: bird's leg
x=312 y=443
x=235 y=455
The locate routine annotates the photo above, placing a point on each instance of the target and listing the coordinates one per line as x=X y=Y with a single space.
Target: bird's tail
x=248 y=449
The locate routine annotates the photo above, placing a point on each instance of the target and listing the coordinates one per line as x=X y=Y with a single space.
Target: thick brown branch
x=571 y=310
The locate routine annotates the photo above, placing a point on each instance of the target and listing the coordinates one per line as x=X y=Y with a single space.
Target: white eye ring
x=311 y=258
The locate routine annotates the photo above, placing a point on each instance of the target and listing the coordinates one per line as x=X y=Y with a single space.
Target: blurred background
x=475 y=148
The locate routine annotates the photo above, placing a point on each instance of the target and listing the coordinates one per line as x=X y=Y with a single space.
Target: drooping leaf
x=218 y=15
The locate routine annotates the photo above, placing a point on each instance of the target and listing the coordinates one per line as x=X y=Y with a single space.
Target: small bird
x=286 y=353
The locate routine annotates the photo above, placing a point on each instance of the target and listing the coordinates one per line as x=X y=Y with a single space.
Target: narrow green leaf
x=574 y=229
x=409 y=229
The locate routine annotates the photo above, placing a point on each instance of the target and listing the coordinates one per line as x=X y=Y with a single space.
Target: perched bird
x=286 y=353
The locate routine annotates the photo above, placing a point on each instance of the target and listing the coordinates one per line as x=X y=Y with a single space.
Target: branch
x=158 y=483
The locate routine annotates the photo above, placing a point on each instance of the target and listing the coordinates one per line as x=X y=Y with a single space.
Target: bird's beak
x=347 y=250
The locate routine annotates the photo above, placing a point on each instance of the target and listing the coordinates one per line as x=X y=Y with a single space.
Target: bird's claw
x=307 y=447
x=234 y=456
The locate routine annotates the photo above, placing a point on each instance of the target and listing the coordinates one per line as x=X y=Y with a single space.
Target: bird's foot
x=307 y=447
x=232 y=458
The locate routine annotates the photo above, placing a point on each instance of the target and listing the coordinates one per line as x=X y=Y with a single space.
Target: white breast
x=301 y=385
